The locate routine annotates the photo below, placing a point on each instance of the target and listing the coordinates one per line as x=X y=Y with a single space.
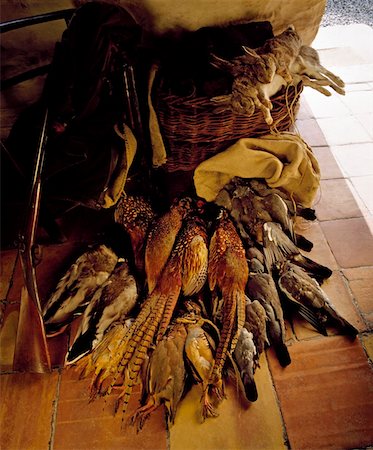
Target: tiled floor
x=324 y=399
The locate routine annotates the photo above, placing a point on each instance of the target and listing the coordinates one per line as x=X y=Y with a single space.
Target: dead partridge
x=227 y=273
x=199 y=350
x=77 y=286
x=135 y=214
x=161 y=240
x=165 y=376
x=307 y=294
x=261 y=287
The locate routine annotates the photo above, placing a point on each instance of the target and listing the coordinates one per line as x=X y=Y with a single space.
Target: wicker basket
x=194 y=129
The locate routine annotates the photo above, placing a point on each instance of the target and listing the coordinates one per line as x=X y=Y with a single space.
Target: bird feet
x=208 y=411
x=142 y=414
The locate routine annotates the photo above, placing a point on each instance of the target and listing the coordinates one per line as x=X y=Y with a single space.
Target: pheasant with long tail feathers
x=156 y=313
x=161 y=240
x=228 y=273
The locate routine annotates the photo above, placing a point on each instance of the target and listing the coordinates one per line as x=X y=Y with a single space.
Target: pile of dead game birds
x=218 y=278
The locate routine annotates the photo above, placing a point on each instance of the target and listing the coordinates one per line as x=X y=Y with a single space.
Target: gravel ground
x=345 y=12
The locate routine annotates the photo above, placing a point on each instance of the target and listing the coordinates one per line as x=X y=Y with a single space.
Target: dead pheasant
x=228 y=273
x=102 y=362
x=157 y=310
x=161 y=240
x=135 y=215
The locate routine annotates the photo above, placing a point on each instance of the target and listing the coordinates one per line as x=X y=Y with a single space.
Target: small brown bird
x=256 y=323
x=135 y=214
x=306 y=293
x=228 y=273
x=165 y=376
x=279 y=248
x=245 y=355
x=255 y=259
x=199 y=350
x=260 y=187
x=161 y=240
x=77 y=286
x=113 y=301
x=278 y=211
x=261 y=287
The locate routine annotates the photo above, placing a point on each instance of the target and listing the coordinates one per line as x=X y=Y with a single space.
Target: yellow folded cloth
x=158 y=148
x=119 y=176
x=284 y=160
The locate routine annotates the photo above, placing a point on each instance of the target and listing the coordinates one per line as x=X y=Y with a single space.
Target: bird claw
x=208 y=411
x=219 y=393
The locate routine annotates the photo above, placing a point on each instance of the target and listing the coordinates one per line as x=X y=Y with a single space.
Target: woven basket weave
x=194 y=129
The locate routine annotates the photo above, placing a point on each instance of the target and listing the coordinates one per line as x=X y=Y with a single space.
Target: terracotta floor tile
x=311 y=132
x=360 y=280
x=343 y=130
x=359 y=73
x=8 y=334
x=7 y=262
x=326 y=394
x=337 y=201
x=358 y=87
x=26 y=410
x=304 y=111
x=367 y=341
x=328 y=166
x=337 y=56
x=354 y=159
x=364 y=187
x=84 y=425
x=257 y=426
x=359 y=102
x=366 y=121
x=322 y=106
x=320 y=252
x=350 y=241
x=338 y=294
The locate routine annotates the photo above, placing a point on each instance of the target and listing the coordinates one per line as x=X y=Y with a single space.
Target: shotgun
x=31 y=350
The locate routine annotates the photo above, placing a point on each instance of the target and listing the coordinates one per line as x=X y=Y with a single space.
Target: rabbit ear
x=251 y=52
x=220 y=63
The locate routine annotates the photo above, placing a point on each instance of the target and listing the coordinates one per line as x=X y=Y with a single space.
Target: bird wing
x=276 y=245
x=77 y=286
x=199 y=353
x=195 y=264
